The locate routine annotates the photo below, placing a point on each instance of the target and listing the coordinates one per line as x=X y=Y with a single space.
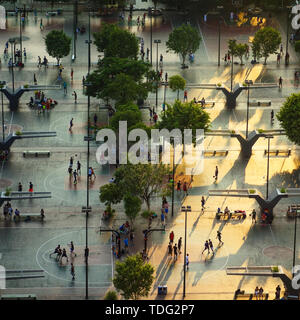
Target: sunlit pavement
x=27 y=245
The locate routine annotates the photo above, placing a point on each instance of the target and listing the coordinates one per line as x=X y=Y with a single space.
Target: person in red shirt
x=185 y=96
x=172 y=237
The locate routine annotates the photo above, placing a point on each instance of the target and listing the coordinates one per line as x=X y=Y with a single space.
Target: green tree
x=266 y=41
x=176 y=83
x=134 y=76
x=133 y=277
x=184 y=116
x=110 y=194
x=132 y=117
x=183 y=40
x=289 y=117
x=132 y=205
x=116 y=42
x=143 y=180
x=58 y=44
x=237 y=49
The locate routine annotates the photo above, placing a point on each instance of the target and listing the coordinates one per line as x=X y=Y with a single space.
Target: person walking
x=75 y=96
x=56 y=251
x=178 y=186
x=170 y=249
x=187 y=261
x=65 y=87
x=216 y=174
x=256 y=292
x=71 y=124
x=175 y=252
x=171 y=236
x=95 y=119
x=277 y=293
x=185 y=188
x=126 y=244
x=211 y=245
x=260 y=293
x=179 y=244
x=272 y=116
x=70 y=171
x=75 y=174
x=202 y=203
x=34 y=79
x=206 y=247
x=219 y=236
x=278 y=58
x=78 y=168
x=253 y=216
x=20 y=187
x=17 y=215
x=93 y=173
x=41 y=25
x=64 y=255
x=71 y=162
x=72 y=271
x=72 y=73
x=280 y=82
x=30 y=187
x=42 y=214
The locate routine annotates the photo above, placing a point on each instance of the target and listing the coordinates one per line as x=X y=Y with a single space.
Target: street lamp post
x=287 y=34
x=268 y=164
x=156 y=93
x=219 y=32
x=150 y=16
x=2 y=83
x=12 y=42
x=248 y=82
x=146 y=232
x=231 y=76
x=295 y=237
x=21 y=34
x=185 y=210
x=75 y=25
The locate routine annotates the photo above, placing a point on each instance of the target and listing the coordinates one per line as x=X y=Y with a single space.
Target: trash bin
x=162 y=290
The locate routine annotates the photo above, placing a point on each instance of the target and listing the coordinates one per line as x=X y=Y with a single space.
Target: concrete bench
x=222 y=215
x=18 y=297
x=243 y=296
x=214 y=153
x=51 y=13
x=207 y=104
x=36 y=153
x=293 y=211
x=28 y=216
x=12 y=13
x=277 y=152
x=238 y=215
x=260 y=103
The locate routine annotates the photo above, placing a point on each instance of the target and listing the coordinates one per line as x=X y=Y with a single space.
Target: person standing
x=216 y=174
x=78 y=167
x=277 y=294
x=155 y=116
x=219 y=236
x=75 y=96
x=72 y=249
x=171 y=236
x=17 y=215
x=272 y=116
x=20 y=187
x=280 y=82
x=30 y=187
x=72 y=271
x=187 y=261
x=185 y=188
x=211 y=245
x=71 y=124
x=162 y=217
x=34 y=79
x=72 y=73
x=64 y=255
x=65 y=87
x=260 y=293
x=95 y=119
x=179 y=186
x=126 y=244
x=41 y=25
x=254 y=216
x=185 y=96
x=256 y=292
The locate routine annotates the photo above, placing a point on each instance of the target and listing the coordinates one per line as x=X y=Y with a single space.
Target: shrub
x=7 y=192
x=146 y=214
x=275 y=269
x=282 y=190
x=18 y=133
x=252 y=191
x=111 y=295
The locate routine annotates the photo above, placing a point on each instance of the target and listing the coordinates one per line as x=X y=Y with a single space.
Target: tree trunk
x=265 y=60
x=177 y=94
x=148 y=204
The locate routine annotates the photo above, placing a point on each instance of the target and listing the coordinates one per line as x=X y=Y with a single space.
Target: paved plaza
x=27 y=245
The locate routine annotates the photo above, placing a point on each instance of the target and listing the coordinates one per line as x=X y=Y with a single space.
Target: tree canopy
x=133 y=277
x=58 y=44
x=116 y=42
x=183 y=40
x=184 y=116
x=289 y=117
x=237 y=49
x=266 y=41
x=176 y=83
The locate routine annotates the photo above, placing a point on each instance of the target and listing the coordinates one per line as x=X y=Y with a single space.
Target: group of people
x=62 y=253
x=176 y=249
x=184 y=187
x=44 y=63
x=41 y=102
x=74 y=172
